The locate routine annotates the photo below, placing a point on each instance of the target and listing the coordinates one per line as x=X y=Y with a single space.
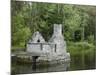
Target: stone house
x=54 y=49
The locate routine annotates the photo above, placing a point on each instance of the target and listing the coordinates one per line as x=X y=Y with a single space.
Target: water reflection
x=78 y=62
x=52 y=67
x=33 y=68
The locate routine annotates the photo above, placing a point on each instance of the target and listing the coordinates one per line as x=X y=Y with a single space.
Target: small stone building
x=54 y=49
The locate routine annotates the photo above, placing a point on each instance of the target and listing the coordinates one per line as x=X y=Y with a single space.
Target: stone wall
x=54 y=49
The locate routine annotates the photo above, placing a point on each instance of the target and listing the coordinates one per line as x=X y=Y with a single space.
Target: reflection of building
x=54 y=49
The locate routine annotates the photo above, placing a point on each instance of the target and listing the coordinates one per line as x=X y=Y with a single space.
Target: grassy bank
x=78 y=47
x=82 y=52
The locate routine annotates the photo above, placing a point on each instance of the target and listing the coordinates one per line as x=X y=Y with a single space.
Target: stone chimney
x=57 y=29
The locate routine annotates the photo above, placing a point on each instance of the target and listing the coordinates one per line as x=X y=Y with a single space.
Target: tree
x=77 y=21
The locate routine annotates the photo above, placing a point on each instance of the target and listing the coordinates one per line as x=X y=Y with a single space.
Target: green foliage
x=79 y=47
x=23 y=34
x=91 y=39
x=20 y=32
x=28 y=17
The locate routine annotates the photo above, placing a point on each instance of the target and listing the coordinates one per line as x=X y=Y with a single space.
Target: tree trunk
x=82 y=34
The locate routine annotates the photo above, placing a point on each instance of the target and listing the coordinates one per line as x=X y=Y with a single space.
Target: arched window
x=38 y=40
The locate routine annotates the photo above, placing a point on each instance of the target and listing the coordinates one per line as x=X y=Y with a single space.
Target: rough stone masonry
x=53 y=50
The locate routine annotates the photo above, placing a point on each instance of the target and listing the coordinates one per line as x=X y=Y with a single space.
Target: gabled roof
x=37 y=38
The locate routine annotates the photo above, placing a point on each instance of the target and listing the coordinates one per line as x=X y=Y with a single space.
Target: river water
x=78 y=62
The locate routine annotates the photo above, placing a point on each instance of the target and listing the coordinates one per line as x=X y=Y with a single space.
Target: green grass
x=79 y=47
x=17 y=48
